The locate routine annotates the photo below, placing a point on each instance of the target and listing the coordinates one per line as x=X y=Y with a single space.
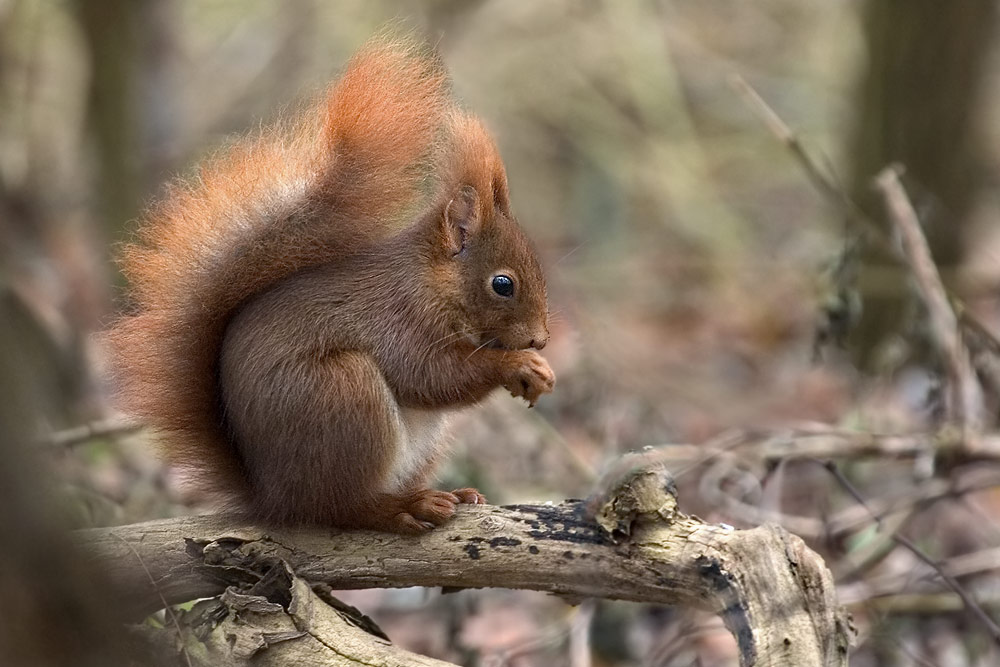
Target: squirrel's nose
x=539 y=342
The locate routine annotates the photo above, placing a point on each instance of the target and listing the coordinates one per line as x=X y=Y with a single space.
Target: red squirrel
x=307 y=311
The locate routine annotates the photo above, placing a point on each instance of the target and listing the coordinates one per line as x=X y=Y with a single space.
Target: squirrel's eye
x=503 y=285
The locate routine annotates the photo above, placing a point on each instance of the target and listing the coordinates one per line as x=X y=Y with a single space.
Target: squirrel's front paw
x=530 y=377
x=470 y=496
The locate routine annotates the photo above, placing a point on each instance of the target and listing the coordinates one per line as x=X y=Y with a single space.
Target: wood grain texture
x=774 y=594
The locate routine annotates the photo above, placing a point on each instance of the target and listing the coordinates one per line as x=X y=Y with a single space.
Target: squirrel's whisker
x=491 y=340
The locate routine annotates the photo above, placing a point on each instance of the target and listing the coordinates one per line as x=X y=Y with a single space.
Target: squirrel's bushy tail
x=342 y=175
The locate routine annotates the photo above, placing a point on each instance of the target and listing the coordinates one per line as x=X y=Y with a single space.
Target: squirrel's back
x=345 y=174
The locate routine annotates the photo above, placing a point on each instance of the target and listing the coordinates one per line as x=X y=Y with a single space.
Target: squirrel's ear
x=461 y=219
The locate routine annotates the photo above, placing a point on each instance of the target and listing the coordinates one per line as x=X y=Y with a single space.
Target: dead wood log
x=630 y=543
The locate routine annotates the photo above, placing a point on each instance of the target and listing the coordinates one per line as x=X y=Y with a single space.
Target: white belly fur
x=421 y=434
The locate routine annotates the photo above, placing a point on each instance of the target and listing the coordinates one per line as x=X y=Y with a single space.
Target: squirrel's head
x=501 y=288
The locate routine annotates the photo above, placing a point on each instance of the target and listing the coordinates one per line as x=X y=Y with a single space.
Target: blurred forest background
x=709 y=299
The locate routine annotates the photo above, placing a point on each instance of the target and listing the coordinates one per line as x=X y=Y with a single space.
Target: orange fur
x=305 y=311
x=336 y=178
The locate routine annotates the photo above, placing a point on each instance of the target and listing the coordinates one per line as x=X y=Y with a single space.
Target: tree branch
x=774 y=594
x=965 y=401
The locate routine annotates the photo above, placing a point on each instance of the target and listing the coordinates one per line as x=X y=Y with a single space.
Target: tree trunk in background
x=110 y=28
x=158 y=105
x=918 y=100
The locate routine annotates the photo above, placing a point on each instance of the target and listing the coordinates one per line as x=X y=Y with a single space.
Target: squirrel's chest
x=421 y=434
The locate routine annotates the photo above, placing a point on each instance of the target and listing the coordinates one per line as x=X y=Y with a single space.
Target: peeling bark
x=630 y=543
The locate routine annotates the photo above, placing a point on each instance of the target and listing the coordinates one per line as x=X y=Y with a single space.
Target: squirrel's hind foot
x=418 y=512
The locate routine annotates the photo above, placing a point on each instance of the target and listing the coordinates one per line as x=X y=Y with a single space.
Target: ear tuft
x=501 y=195
x=461 y=219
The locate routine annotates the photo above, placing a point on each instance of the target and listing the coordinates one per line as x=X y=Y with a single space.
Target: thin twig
x=970 y=604
x=933 y=604
x=816 y=175
x=819 y=441
x=981 y=340
x=977 y=562
x=167 y=609
x=965 y=395
x=848 y=519
x=717 y=447
x=579 y=634
x=960 y=591
x=548 y=637
x=91 y=431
